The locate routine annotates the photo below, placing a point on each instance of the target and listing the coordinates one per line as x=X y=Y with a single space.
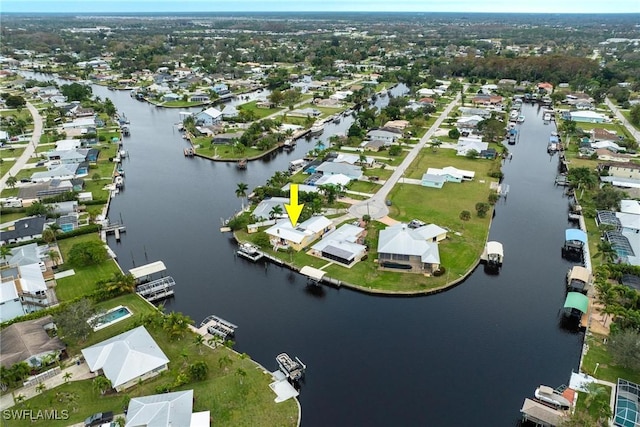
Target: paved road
x=616 y=111
x=29 y=150
x=376 y=206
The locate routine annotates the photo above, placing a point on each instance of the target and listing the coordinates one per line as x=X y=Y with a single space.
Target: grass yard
x=9 y=192
x=11 y=153
x=607 y=370
x=363 y=187
x=236 y=390
x=326 y=111
x=180 y=103
x=258 y=113
x=225 y=151
x=8 y=217
x=445 y=157
x=85 y=279
x=627 y=116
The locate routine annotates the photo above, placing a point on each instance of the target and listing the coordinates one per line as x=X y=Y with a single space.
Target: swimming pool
x=112 y=316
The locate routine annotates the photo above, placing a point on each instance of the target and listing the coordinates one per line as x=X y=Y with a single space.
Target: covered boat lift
x=576 y=304
x=314 y=275
x=579 y=279
x=144 y=272
x=540 y=414
x=575 y=240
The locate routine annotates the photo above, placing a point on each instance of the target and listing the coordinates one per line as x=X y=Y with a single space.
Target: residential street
x=30 y=148
x=616 y=111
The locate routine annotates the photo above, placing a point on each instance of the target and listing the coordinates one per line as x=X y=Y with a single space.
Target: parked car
x=40 y=163
x=388 y=202
x=98 y=419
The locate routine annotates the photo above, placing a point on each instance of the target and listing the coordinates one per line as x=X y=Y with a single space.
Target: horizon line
x=316 y=11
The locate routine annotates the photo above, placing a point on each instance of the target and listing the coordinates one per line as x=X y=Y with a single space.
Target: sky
x=509 y=6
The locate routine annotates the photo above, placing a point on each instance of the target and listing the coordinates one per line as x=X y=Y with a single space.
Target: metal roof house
x=343 y=245
x=263 y=210
x=283 y=234
x=166 y=410
x=401 y=248
x=333 y=168
x=127 y=358
x=210 y=116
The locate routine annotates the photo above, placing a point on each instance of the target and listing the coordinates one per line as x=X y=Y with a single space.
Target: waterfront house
x=284 y=235
x=29 y=342
x=431 y=233
x=343 y=245
x=626 y=170
x=606 y=145
x=127 y=358
x=66 y=157
x=338 y=179
x=588 y=116
x=487 y=100
x=60 y=172
x=199 y=98
x=470 y=111
x=226 y=138
x=265 y=207
x=333 y=168
x=23 y=230
x=229 y=111
x=402 y=249
x=465 y=145
x=170 y=97
x=166 y=410
x=209 y=117
x=304 y=112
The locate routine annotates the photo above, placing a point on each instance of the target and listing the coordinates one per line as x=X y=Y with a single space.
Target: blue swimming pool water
x=112 y=316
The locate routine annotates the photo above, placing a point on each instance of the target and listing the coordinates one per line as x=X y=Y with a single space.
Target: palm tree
x=199 y=341
x=19 y=398
x=67 y=376
x=241 y=192
x=120 y=283
x=275 y=211
x=102 y=384
x=606 y=252
x=4 y=253
x=598 y=398
x=435 y=144
x=55 y=230
x=54 y=256
x=465 y=216
x=12 y=181
x=241 y=373
x=41 y=387
x=224 y=362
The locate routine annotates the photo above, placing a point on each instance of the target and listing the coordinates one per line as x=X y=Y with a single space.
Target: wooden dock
x=115 y=229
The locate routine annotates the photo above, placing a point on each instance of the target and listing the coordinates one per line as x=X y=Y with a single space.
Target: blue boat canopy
x=575 y=234
x=577 y=300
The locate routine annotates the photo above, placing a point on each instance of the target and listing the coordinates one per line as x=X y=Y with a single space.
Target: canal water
x=465 y=357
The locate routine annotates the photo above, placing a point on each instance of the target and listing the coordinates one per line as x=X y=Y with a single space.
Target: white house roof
x=352 y=159
x=587 y=114
x=385 y=134
x=31 y=279
x=316 y=223
x=630 y=206
x=265 y=206
x=25 y=254
x=161 y=410
x=211 y=112
x=284 y=230
x=429 y=231
x=303 y=188
x=80 y=122
x=126 y=356
x=402 y=240
x=606 y=144
x=67 y=144
x=62 y=171
x=464 y=148
x=8 y=291
x=335 y=179
x=433 y=177
x=351 y=171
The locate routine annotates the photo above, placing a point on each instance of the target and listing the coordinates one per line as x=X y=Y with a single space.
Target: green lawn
x=180 y=103
x=326 y=111
x=85 y=279
x=607 y=370
x=259 y=113
x=237 y=394
x=225 y=151
x=363 y=186
x=10 y=192
x=12 y=216
x=11 y=153
x=627 y=116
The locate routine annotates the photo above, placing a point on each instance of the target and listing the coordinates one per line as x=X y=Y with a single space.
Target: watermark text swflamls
x=35 y=414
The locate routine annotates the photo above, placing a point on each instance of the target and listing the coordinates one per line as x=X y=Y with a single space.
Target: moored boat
x=293 y=368
x=249 y=251
x=551 y=396
x=317 y=128
x=493 y=254
x=520 y=119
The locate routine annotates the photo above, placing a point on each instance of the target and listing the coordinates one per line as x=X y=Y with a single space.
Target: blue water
x=113 y=316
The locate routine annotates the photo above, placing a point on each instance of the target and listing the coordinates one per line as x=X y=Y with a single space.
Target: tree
x=634 y=115
x=580 y=418
x=109 y=108
x=15 y=101
x=454 y=133
x=96 y=177
x=176 y=324
x=76 y=92
x=492 y=129
x=67 y=376
x=493 y=197
x=482 y=209
x=606 y=252
x=224 y=362
x=72 y=321
x=597 y=400
x=241 y=373
x=54 y=256
x=624 y=347
x=276 y=97
x=198 y=371
x=12 y=181
x=568 y=128
x=465 y=216
x=262 y=239
x=4 y=253
x=118 y=284
x=199 y=342
x=102 y=384
x=275 y=212
x=41 y=387
x=87 y=253
x=241 y=192
x=55 y=230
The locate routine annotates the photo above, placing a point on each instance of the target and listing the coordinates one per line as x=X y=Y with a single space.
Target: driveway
x=616 y=111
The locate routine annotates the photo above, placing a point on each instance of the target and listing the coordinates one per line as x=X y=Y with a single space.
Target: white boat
x=317 y=128
x=513 y=115
x=520 y=119
x=548 y=395
x=249 y=251
x=293 y=369
x=547 y=117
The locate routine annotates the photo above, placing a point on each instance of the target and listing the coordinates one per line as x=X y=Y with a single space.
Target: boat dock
x=250 y=252
x=157 y=289
x=115 y=229
x=293 y=368
x=216 y=326
x=188 y=152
